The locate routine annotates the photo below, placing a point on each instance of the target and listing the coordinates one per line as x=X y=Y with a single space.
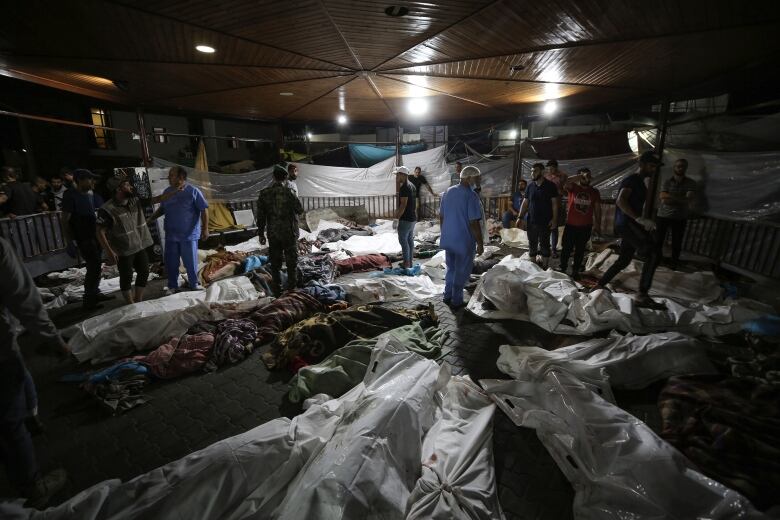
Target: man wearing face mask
x=677 y=193
x=582 y=216
x=541 y=206
x=124 y=235
x=459 y=216
x=79 y=217
x=635 y=230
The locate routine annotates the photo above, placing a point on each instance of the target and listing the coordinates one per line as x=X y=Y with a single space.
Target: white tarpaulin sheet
x=618 y=467
x=365 y=288
x=620 y=361
x=357 y=457
x=313 y=180
x=385 y=243
x=519 y=289
x=148 y=324
x=75 y=292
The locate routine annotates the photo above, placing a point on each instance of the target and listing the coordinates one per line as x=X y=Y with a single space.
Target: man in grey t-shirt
x=677 y=193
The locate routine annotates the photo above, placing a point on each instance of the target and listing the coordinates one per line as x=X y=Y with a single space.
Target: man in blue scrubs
x=460 y=214
x=186 y=221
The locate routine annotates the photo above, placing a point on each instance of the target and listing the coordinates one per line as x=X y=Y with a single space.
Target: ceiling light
x=308 y=135
x=513 y=134
x=396 y=10
x=205 y=48
x=342 y=119
x=285 y=93
x=418 y=106
x=550 y=107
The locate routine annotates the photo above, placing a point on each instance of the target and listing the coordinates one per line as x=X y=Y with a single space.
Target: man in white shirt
x=292 y=174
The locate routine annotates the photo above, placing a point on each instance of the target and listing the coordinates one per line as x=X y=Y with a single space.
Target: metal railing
x=34 y=235
x=753 y=247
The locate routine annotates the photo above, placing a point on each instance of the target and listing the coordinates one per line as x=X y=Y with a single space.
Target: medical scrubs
x=182 y=231
x=459 y=206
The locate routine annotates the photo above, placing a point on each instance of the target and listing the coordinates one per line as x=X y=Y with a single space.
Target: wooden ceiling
x=310 y=60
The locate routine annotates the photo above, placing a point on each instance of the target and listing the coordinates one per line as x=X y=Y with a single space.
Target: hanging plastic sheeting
x=331 y=181
x=355 y=457
x=516 y=288
x=620 y=361
x=618 y=467
x=145 y=325
x=219 y=187
x=365 y=155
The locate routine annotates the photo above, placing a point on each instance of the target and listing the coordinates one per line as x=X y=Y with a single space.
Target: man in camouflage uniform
x=277 y=213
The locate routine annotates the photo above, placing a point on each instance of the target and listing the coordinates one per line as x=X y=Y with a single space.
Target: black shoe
x=39 y=493
x=104 y=297
x=555 y=253
x=91 y=305
x=646 y=302
x=34 y=425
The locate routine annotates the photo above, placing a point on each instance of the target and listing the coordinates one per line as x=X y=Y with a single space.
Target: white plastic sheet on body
x=385 y=243
x=619 y=468
x=148 y=324
x=519 y=289
x=356 y=457
x=365 y=288
x=619 y=361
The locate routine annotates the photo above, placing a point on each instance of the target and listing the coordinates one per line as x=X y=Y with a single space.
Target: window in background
x=104 y=139
x=159 y=135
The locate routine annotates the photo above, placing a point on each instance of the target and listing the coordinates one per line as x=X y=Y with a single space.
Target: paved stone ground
x=190 y=413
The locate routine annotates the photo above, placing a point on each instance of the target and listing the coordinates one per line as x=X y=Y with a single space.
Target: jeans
x=406 y=238
x=90 y=251
x=677 y=226
x=125 y=264
x=538 y=239
x=187 y=250
x=574 y=238
x=16 y=448
x=286 y=251
x=634 y=238
x=459 y=266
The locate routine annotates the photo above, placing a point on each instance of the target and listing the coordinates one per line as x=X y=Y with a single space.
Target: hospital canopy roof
x=310 y=60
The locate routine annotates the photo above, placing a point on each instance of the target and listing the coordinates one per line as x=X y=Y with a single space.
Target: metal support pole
x=517 y=167
x=146 y=156
x=399 y=160
x=652 y=192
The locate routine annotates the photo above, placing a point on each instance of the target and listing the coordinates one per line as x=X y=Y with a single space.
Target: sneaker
x=39 y=494
x=168 y=291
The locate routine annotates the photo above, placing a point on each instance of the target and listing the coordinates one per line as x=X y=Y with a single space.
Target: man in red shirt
x=584 y=204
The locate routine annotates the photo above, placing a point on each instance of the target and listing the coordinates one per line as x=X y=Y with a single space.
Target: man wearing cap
x=406 y=214
x=541 y=206
x=277 y=213
x=635 y=230
x=292 y=174
x=459 y=215
x=124 y=235
x=582 y=215
x=676 y=195
x=186 y=221
x=558 y=178
x=79 y=218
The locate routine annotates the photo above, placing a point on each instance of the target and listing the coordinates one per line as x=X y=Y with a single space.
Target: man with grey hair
x=460 y=214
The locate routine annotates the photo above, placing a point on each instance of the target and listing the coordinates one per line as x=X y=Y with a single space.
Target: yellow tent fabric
x=220 y=218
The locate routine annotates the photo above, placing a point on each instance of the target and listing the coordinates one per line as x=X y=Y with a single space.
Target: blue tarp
x=365 y=155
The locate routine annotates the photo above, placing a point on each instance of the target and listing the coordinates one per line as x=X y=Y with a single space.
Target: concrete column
x=212 y=150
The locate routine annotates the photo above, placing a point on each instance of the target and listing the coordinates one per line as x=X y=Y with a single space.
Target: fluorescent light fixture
x=308 y=135
x=24 y=150
x=513 y=134
x=342 y=119
x=550 y=107
x=205 y=48
x=418 y=106
x=285 y=93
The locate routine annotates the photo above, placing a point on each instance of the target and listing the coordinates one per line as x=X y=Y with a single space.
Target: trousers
x=677 y=227
x=187 y=251
x=89 y=249
x=538 y=239
x=634 y=238
x=459 y=266
x=574 y=238
x=406 y=238
x=16 y=448
x=286 y=251
x=125 y=264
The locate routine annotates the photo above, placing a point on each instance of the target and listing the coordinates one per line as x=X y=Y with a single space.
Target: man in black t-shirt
x=21 y=199
x=406 y=214
x=419 y=180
